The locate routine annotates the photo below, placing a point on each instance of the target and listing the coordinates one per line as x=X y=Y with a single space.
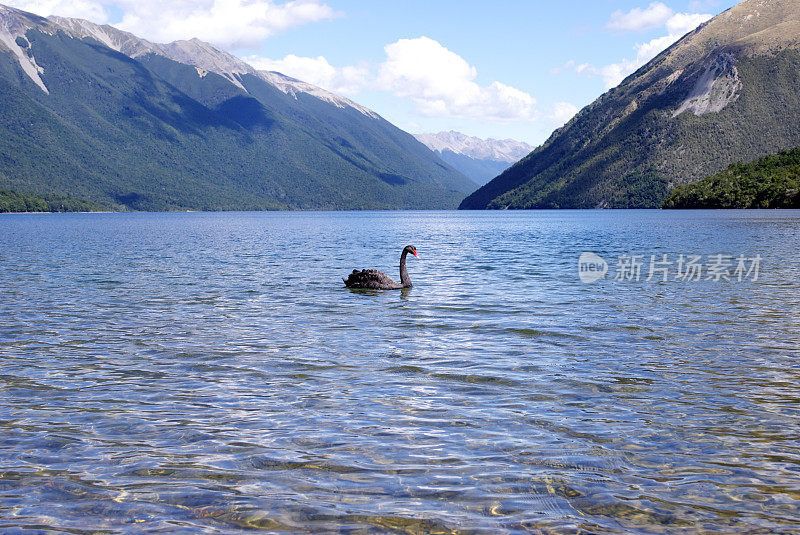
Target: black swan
x=373 y=279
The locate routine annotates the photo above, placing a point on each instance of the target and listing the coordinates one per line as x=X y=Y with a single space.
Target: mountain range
x=724 y=93
x=98 y=114
x=478 y=159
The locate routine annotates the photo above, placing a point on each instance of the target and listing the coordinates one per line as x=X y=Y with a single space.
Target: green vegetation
x=631 y=146
x=629 y=162
x=152 y=134
x=770 y=182
x=11 y=201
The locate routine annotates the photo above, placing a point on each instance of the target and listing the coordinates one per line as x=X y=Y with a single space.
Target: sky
x=508 y=69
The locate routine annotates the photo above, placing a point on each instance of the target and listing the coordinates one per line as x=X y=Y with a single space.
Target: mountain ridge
x=201 y=54
x=722 y=92
x=478 y=159
x=208 y=132
x=499 y=150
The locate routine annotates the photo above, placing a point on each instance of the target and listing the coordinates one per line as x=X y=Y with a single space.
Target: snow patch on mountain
x=498 y=150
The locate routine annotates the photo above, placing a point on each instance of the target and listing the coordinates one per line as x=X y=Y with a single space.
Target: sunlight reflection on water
x=179 y=372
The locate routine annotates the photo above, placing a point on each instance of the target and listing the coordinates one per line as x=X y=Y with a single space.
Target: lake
x=209 y=372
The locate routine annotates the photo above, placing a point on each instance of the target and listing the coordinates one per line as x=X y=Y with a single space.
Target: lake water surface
x=208 y=372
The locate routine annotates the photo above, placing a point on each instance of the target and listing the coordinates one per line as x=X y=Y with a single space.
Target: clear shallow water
x=209 y=372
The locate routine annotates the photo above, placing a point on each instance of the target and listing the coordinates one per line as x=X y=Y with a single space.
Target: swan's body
x=372 y=279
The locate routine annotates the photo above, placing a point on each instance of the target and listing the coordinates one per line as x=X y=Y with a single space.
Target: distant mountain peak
x=498 y=150
x=478 y=159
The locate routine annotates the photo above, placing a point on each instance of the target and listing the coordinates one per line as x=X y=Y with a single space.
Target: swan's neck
x=404 y=279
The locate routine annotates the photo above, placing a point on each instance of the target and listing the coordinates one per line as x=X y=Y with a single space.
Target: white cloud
x=639 y=19
x=442 y=84
x=584 y=68
x=572 y=65
x=676 y=24
x=84 y=9
x=614 y=73
x=568 y=66
x=318 y=71
x=562 y=112
x=682 y=23
x=233 y=23
x=227 y=23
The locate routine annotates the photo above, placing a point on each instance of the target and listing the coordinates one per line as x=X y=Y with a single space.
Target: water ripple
x=208 y=373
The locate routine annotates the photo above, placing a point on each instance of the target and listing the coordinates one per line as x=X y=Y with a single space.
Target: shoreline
x=516 y=211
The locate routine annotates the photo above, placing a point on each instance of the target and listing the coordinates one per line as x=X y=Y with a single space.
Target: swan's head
x=411 y=249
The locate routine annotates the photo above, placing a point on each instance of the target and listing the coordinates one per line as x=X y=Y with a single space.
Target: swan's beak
x=415 y=254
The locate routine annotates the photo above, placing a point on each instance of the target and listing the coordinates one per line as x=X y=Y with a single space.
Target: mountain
x=97 y=114
x=478 y=159
x=769 y=182
x=725 y=92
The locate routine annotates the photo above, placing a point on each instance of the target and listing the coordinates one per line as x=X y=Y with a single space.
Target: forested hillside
x=81 y=119
x=770 y=182
x=725 y=92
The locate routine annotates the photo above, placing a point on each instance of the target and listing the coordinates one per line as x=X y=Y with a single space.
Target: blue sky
x=503 y=69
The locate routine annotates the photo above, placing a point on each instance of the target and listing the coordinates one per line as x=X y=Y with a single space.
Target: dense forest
x=11 y=201
x=769 y=182
x=152 y=134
